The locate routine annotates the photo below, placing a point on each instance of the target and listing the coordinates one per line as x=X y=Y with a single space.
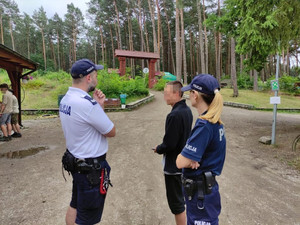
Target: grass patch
x=260 y=99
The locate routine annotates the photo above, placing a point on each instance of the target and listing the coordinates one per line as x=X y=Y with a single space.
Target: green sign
x=275 y=85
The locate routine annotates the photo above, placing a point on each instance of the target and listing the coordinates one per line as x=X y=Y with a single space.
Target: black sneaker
x=9 y=137
x=16 y=135
x=4 y=138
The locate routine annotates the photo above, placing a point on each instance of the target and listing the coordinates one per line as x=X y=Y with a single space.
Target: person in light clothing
x=86 y=128
x=15 y=118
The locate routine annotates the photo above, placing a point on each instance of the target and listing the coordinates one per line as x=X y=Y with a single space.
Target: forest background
x=235 y=40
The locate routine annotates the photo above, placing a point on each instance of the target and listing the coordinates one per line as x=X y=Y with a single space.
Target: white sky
x=51 y=6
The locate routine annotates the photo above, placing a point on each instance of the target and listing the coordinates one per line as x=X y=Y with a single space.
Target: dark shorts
x=204 y=212
x=14 y=118
x=87 y=199
x=5 y=118
x=174 y=193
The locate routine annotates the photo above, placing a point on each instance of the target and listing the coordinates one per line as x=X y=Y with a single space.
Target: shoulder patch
x=90 y=99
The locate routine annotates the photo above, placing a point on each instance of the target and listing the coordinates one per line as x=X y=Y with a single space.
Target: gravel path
x=256 y=186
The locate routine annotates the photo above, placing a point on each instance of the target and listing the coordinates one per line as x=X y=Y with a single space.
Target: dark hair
x=4 y=86
x=177 y=85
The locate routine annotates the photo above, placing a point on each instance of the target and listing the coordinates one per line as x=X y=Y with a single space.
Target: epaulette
x=202 y=121
x=91 y=100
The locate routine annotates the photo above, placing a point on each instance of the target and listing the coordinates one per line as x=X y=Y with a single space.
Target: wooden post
x=122 y=61
x=152 y=72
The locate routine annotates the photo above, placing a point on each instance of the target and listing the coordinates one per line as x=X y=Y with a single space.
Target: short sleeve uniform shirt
x=206 y=145
x=84 y=124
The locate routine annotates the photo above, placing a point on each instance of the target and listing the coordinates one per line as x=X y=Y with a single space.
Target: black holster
x=68 y=162
x=202 y=186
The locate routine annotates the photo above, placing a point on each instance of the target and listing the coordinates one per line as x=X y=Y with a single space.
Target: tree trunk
x=74 y=44
x=44 y=49
x=95 y=51
x=287 y=61
x=178 y=45
x=170 y=40
x=141 y=30
x=11 y=35
x=219 y=74
x=52 y=52
x=228 y=67
x=205 y=39
x=255 y=84
x=158 y=33
x=58 y=51
x=154 y=31
x=112 y=46
x=217 y=56
x=183 y=47
x=297 y=61
x=241 y=63
x=197 y=59
x=191 y=53
x=119 y=29
x=162 y=49
x=1 y=29
x=28 y=45
x=102 y=44
x=233 y=69
x=130 y=41
x=200 y=37
x=283 y=62
x=147 y=38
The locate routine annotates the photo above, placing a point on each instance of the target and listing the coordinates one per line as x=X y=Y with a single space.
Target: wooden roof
x=12 y=61
x=136 y=54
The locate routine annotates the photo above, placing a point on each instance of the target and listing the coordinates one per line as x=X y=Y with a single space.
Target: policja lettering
x=191 y=148
x=221 y=133
x=65 y=109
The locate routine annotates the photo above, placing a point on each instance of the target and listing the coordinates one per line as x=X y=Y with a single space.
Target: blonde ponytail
x=214 y=111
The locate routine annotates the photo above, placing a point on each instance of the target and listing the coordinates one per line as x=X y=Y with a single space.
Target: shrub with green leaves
x=160 y=85
x=113 y=85
x=244 y=82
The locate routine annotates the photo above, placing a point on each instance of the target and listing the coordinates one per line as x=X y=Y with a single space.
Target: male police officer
x=177 y=130
x=86 y=127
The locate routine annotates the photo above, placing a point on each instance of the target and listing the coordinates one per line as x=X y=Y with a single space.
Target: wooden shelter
x=152 y=57
x=15 y=64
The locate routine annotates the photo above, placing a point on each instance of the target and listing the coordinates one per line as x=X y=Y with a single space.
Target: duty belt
x=201 y=185
x=88 y=164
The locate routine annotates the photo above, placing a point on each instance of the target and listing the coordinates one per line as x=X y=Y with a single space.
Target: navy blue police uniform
x=206 y=145
x=84 y=124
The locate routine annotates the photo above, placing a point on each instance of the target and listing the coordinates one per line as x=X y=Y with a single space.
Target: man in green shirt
x=5 y=112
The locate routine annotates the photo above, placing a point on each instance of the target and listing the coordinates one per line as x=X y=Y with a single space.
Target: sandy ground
x=257 y=186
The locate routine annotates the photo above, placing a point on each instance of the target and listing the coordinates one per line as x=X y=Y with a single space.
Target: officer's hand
x=99 y=96
x=194 y=165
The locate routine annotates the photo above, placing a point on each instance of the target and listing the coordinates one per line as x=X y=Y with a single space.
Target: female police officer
x=203 y=156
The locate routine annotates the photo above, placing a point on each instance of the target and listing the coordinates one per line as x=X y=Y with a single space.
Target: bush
x=160 y=85
x=113 y=85
x=244 y=81
x=34 y=84
x=286 y=84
